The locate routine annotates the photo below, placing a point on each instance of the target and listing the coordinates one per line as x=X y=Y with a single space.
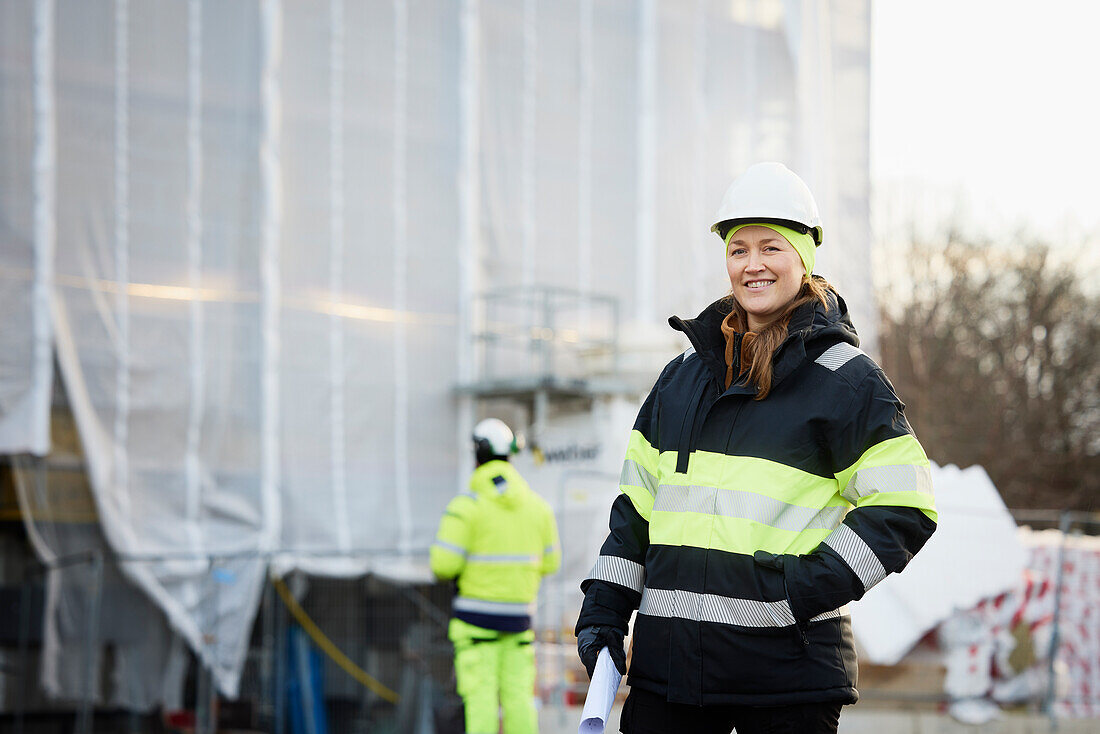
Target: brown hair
x=760 y=351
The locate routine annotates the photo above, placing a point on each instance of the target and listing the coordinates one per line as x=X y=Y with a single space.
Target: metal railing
x=539 y=331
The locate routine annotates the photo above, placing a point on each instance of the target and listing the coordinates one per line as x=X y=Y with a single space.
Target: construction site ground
x=854 y=720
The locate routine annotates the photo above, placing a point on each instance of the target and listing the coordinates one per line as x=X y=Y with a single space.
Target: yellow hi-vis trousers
x=495 y=670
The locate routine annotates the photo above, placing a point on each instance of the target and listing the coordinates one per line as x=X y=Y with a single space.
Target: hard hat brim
x=720 y=228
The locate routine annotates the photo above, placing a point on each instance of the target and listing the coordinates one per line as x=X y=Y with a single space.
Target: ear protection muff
x=492 y=437
x=482 y=447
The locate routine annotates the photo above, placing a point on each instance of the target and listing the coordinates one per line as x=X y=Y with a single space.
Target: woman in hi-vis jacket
x=770 y=479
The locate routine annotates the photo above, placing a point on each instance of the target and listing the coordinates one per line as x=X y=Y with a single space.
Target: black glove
x=768 y=560
x=593 y=639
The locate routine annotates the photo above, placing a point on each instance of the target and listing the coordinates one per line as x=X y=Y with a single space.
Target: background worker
x=770 y=479
x=498 y=539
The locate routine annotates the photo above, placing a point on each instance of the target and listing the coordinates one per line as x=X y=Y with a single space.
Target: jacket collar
x=810 y=323
x=705 y=334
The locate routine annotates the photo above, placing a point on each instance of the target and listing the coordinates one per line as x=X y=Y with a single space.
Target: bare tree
x=997 y=356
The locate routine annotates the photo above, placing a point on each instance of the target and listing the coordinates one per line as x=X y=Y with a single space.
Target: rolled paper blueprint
x=601 y=695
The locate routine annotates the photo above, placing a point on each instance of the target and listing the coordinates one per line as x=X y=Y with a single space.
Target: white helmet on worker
x=493 y=438
x=769 y=193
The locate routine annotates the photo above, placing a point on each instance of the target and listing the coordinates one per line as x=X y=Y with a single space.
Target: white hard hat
x=497 y=435
x=769 y=193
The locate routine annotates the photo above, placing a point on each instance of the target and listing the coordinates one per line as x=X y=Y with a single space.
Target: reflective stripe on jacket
x=744 y=527
x=498 y=538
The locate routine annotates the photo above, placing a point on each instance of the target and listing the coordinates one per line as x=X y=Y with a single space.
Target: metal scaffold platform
x=544 y=345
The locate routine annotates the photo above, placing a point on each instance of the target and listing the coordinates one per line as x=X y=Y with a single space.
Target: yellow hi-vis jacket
x=498 y=538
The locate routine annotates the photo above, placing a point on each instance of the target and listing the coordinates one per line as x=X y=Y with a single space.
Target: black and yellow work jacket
x=744 y=527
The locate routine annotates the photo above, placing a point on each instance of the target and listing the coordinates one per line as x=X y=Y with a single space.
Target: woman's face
x=765 y=272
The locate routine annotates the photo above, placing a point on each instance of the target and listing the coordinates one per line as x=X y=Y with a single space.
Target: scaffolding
x=543 y=345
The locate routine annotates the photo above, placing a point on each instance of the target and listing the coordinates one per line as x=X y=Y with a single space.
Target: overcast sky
x=988 y=108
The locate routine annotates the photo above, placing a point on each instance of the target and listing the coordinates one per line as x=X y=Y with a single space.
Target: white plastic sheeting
x=148 y=664
x=974 y=554
x=28 y=173
x=261 y=226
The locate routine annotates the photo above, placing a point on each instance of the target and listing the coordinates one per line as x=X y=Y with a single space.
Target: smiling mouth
x=755 y=285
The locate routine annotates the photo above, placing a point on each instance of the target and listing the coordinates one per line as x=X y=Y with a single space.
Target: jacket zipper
x=802 y=636
x=736 y=363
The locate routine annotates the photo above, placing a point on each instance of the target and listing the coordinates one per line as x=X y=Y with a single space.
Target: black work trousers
x=650 y=713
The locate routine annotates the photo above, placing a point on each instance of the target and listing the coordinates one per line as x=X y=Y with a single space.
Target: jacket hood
x=810 y=325
x=498 y=481
x=813 y=322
